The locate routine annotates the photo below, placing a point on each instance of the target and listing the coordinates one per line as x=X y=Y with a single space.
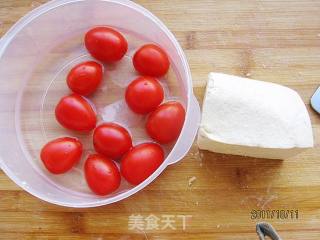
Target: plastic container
x=35 y=55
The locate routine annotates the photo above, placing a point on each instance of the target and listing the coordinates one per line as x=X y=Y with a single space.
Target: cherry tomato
x=61 y=154
x=102 y=174
x=144 y=94
x=141 y=161
x=75 y=113
x=165 y=123
x=85 y=78
x=106 y=44
x=151 y=60
x=111 y=140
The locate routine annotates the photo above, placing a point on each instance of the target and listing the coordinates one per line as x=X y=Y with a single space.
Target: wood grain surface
x=272 y=40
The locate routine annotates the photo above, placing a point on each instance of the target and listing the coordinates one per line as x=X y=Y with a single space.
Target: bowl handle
x=190 y=130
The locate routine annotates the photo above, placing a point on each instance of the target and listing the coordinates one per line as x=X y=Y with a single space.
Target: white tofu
x=253 y=118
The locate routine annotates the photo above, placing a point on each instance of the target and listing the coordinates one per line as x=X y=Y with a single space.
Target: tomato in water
x=106 y=44
x=165 y=123
x=85 y=78
x=102 y=174
x=111 y=140
x=141 y=161
x=61 y=154
x=144 y=94
x=151 y=60
x=75 y=113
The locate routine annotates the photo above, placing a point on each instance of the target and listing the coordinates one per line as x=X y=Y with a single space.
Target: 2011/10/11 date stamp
x=282 y=214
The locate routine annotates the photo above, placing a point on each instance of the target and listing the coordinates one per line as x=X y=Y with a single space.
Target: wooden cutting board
x=218 y=196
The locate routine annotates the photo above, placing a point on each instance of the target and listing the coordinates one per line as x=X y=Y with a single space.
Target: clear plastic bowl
x=35 y=56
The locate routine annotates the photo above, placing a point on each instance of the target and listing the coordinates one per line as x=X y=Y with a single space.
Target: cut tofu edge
x=241 y=150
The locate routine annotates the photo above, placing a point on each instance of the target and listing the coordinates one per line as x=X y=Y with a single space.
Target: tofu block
x=241 y=116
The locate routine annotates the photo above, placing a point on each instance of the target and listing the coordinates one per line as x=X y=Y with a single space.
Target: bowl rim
x=30 y=16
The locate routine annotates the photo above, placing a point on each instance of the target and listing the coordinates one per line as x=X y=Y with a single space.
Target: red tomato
x=144 y=94
x=106 y=44
x=85 y=77
x=61 y=154
x=165 y=123
x=111 y=140
x=75 y=113
x=102 y=174
x=141 y=161
x=151 y=60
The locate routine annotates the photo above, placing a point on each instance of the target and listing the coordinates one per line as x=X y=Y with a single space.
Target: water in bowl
x=47 y=84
